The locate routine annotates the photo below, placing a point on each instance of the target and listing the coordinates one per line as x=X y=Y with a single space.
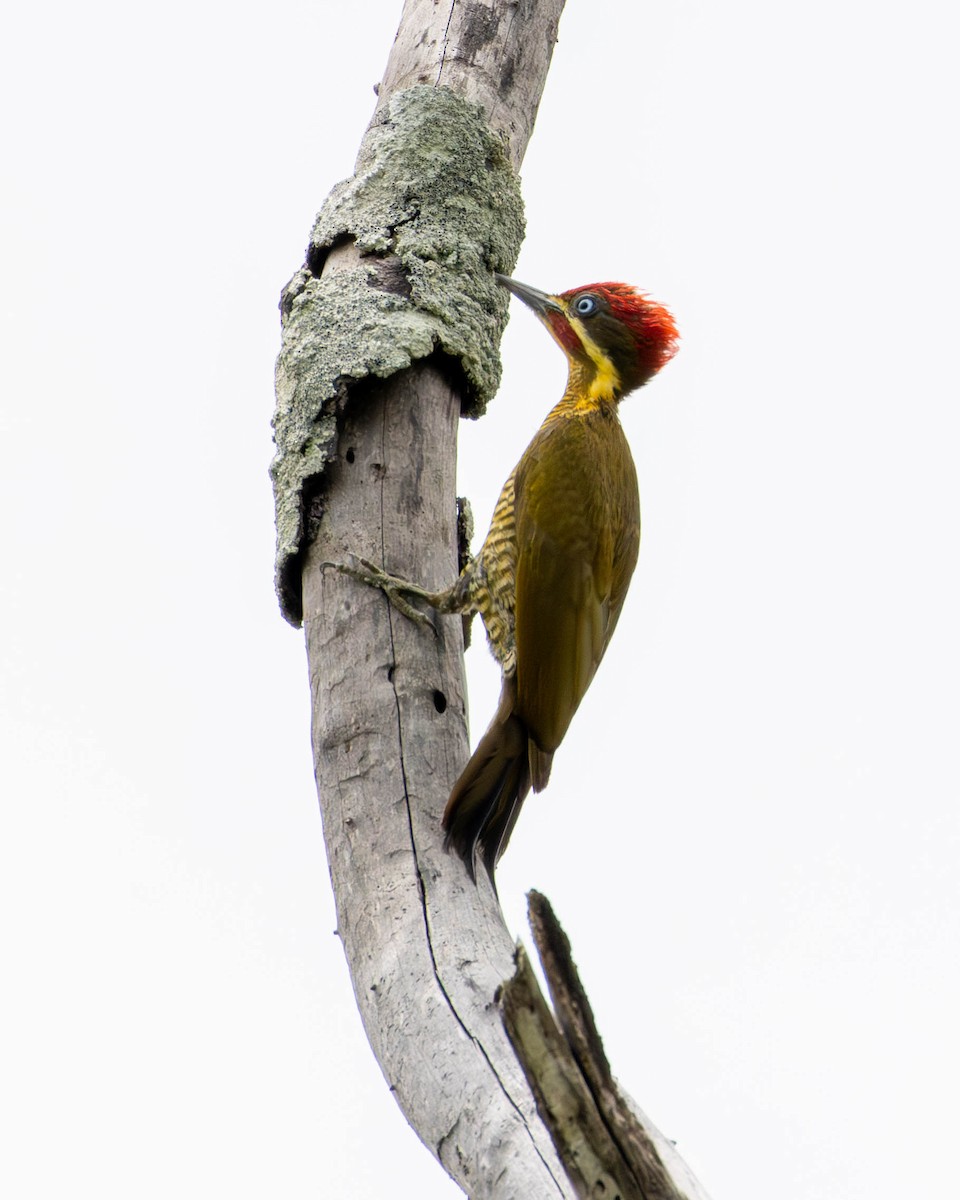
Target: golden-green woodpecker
x=551 y=577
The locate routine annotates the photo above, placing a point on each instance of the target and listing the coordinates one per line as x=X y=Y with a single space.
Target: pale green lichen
x=436 y=206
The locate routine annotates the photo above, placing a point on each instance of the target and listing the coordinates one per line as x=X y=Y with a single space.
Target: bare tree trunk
x=427 y=950
x=390 y=334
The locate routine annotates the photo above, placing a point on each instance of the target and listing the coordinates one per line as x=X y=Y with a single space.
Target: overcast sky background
x=751 y=834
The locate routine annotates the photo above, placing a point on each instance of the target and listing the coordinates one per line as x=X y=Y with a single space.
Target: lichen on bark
x=432 y=211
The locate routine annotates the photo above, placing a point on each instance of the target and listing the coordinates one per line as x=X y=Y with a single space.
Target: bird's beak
x=540 y=302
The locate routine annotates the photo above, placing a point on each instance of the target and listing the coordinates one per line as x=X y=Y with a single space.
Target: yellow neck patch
x=606 y=380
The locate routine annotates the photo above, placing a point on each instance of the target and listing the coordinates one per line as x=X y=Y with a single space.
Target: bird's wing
x=577 y=534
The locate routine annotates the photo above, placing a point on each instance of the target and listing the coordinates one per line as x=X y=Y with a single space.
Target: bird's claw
x=395 y=589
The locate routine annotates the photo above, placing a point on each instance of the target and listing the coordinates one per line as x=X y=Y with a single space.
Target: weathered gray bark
x=372 y=473
x=428 y=951
x=495 y=54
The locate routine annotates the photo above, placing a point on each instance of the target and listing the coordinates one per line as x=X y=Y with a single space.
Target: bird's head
x=615 y=337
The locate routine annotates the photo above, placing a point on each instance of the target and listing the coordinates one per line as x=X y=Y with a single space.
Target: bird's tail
x=486 y=799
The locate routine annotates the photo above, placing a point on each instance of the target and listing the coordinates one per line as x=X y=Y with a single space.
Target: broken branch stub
x=606 y=1145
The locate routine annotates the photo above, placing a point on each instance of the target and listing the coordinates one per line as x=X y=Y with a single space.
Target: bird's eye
x=585 y=306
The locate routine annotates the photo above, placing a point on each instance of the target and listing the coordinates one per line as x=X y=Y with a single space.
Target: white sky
x=751 y=834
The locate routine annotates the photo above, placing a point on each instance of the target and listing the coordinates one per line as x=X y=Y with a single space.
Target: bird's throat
x=591 y=387
x=598 y=380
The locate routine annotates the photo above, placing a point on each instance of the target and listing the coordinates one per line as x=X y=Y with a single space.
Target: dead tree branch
x=391 y=333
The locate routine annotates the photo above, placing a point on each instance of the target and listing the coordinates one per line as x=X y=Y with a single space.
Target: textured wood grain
x=492 y=52
x=427 y=949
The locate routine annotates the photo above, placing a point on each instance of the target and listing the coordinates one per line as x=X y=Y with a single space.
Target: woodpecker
x=551 y=577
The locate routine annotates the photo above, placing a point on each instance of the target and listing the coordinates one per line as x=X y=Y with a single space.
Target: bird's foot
x=395 y=589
